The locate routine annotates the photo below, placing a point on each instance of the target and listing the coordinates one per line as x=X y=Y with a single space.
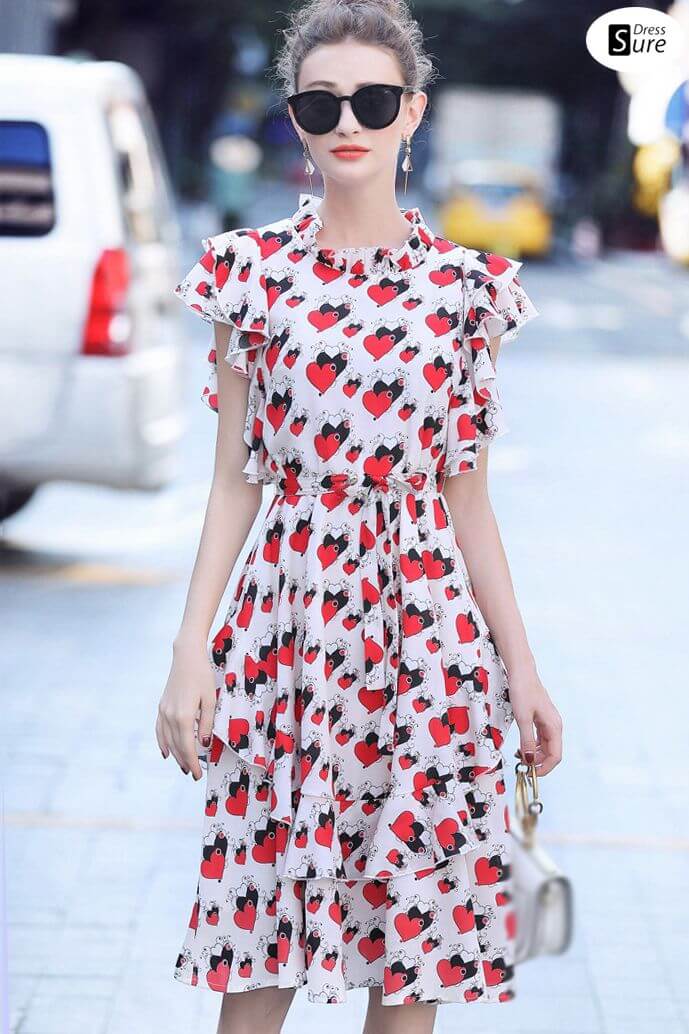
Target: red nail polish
x=206 y=741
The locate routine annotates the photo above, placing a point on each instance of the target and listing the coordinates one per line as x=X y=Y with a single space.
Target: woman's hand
x=533 y=708
x=189 y=693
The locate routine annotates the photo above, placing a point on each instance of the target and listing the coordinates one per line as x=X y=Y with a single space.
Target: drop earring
x=407 y=166
x=309 y=167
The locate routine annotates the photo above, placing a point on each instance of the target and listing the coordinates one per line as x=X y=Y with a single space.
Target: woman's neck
x=359 y=217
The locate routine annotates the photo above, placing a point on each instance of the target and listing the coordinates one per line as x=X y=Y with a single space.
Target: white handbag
x=542 y=893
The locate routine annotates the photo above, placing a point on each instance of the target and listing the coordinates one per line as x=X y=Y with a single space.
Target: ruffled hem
x=496 y=306
x=363 y=840
x=248 y=930
x=290 y=927
x=338 y=995
x=312 y=834
x=354 y=840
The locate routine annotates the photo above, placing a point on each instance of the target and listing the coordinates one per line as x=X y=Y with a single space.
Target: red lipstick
x=349 y=152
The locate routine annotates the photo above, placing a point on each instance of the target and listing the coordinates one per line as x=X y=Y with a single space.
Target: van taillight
x=108 y=324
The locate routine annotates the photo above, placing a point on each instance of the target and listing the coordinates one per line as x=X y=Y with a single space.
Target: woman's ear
x=296 y=128
x=415 y=109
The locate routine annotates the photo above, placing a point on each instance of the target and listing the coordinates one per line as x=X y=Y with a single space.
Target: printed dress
x=356 y=823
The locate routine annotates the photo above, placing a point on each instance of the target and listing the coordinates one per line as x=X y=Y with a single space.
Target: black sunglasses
x=375 y=106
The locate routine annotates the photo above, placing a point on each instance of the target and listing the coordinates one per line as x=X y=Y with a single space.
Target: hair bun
x=323 y=22
x=395 y=8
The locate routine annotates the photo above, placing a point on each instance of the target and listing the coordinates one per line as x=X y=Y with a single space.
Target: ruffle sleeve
x=494 y=304
x=226 y=284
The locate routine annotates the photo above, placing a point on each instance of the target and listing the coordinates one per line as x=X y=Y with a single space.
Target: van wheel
x=12 y=498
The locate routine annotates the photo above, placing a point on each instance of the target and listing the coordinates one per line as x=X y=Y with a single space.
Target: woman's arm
x=479 y=539
x=232 y=507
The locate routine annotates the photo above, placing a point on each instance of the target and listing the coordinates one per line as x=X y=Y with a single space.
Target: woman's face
x=342 y=68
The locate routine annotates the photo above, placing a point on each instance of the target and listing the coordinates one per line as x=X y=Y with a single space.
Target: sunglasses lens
x=376 y=106
x=316 y=112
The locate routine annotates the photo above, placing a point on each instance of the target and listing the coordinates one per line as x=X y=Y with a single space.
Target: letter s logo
x=619 y=40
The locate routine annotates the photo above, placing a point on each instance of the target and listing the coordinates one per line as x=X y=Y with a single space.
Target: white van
x=90 y=345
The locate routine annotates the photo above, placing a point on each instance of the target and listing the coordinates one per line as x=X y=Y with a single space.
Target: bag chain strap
x=527 y=811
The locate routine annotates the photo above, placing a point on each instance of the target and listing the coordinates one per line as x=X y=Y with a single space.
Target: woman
x=373 y=657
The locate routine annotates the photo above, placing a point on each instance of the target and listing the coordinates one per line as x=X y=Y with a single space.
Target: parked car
x=493 y=170
x=497 y=206
x=90 y=347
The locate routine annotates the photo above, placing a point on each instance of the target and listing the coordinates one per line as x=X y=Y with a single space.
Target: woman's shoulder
x=473 y=266
x=481 y=266
x=252 y=241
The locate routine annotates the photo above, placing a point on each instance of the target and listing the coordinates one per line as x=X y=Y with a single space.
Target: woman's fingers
x=541 y=749
x=180 y=728
x=550 y=735
x=188 y=701
x=206 y=716
x=188 y=749
x=160 y=736
x=173 y=736
x=540 y=737
x=527 y=739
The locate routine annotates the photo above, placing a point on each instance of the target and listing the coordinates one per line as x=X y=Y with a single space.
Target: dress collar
x=363 y=260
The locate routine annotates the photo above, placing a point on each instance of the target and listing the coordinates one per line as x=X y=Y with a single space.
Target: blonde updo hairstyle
x=383 y=23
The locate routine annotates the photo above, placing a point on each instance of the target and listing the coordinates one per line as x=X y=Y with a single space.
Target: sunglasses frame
x=394 y=87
